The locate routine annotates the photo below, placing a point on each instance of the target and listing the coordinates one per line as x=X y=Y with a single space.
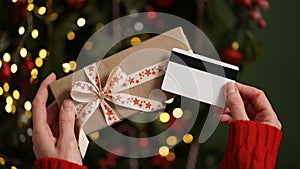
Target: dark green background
x=277 y=73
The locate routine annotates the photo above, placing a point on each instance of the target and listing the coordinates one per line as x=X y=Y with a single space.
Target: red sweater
x=251 y=145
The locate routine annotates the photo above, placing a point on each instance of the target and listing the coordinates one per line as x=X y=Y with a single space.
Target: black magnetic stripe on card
x=203 y=65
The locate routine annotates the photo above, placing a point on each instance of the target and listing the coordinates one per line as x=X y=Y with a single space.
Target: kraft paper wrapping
x=147 y=53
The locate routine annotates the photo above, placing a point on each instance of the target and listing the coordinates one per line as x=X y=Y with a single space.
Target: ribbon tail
x=84 y=112
x=83 y=142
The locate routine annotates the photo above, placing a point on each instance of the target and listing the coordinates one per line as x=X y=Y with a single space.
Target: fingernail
x=230 y=88
x=68 y=105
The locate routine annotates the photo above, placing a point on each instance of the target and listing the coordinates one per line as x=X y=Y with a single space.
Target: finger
x=234 y=102
x=255 y=96
x=224 y=118
x=39 y=112
x=66 y=122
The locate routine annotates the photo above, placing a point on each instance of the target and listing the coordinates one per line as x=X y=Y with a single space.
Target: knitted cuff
x=54 y=163
x=251 y=145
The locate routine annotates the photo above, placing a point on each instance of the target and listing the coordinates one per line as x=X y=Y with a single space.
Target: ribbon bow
x=91 y=95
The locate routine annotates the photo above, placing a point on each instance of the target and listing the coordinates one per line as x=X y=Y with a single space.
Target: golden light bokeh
x=42 y=10
x=81 y=22
x=163 y=151
x=34 y=33
x=21 y=30
x=171 y=156
x=34 y=73
x=30 y=7
x=39 y=62
x=164 y=117
x=177 y=112
x=6 y=87
x=27 y=106
x=135 y=41
x=72 y=65
x=170 y=101
x=1 y=91
x=6 y=57
x=171 y=140
x=95 y=135
x=23 y=52
x=16 y=94
x=71 y=35
x=66 y=67
x=188 y=138
x=43 y=53
x=14 y=68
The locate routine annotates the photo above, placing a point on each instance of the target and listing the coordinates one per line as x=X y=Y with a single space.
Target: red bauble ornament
x=77 y=4
x=241 y=3
x=261 y=23
x=232 y=56
x=5 y=72
x=162 y=3
x=19 y=10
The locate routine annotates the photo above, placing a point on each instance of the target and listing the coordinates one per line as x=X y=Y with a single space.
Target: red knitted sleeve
x=251 y=145
x=54 y=163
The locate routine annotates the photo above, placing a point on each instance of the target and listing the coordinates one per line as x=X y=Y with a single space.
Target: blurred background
x=42 y=36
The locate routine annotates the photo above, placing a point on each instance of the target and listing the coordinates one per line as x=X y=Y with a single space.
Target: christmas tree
x=38 y=37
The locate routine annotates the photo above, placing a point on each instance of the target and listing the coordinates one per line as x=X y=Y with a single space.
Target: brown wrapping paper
x=130 y=60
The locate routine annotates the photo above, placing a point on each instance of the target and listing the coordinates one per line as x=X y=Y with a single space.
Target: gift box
x=98 y=92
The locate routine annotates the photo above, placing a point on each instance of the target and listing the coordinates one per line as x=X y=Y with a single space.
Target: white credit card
x=198 y=77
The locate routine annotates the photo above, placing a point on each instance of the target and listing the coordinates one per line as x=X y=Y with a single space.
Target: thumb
x=67 y=120
x=235 y=102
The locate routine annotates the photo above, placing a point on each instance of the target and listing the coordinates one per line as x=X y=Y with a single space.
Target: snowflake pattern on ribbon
x=91 y=95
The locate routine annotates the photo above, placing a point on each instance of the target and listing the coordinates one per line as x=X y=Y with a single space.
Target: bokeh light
x=164 y=117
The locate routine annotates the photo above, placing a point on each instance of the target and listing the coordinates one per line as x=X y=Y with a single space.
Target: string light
x=16 y=94
x=14 y=68
x=27 y=105
x=39 y=62
x=187 y=114
x=72 y=65
x=13 y=109
x=53 y=16
x=66 y=67
x=171 y=140
x=135 y=41
x=2 y=161
x=9 y=100
x=0 y=63
x=34 y=33
x=99 y=26
x=8 y=108
x=42 y=10
x=163 y=151
x=71 y=35
x=43 y=53
x=23 y=52
x=13 y=167
x=34 y=73
x=188 y=138
x=1 y=91
x=164 y=117
x=21 y=30
x=177 y=112
x=235 y=45
x=95 y=135
x=88 y=45
x=170 y=101
x=81 y=22
x=6 y=57
x=6 y=87
x=30 y=7
x=28 y=114
x=14 y=1
x=171 y=156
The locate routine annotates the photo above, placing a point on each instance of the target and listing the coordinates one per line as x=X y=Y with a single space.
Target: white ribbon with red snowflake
x=91 y=95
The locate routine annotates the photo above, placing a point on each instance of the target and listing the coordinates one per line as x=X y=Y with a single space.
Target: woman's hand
x=53 y=128
x=247 y=103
